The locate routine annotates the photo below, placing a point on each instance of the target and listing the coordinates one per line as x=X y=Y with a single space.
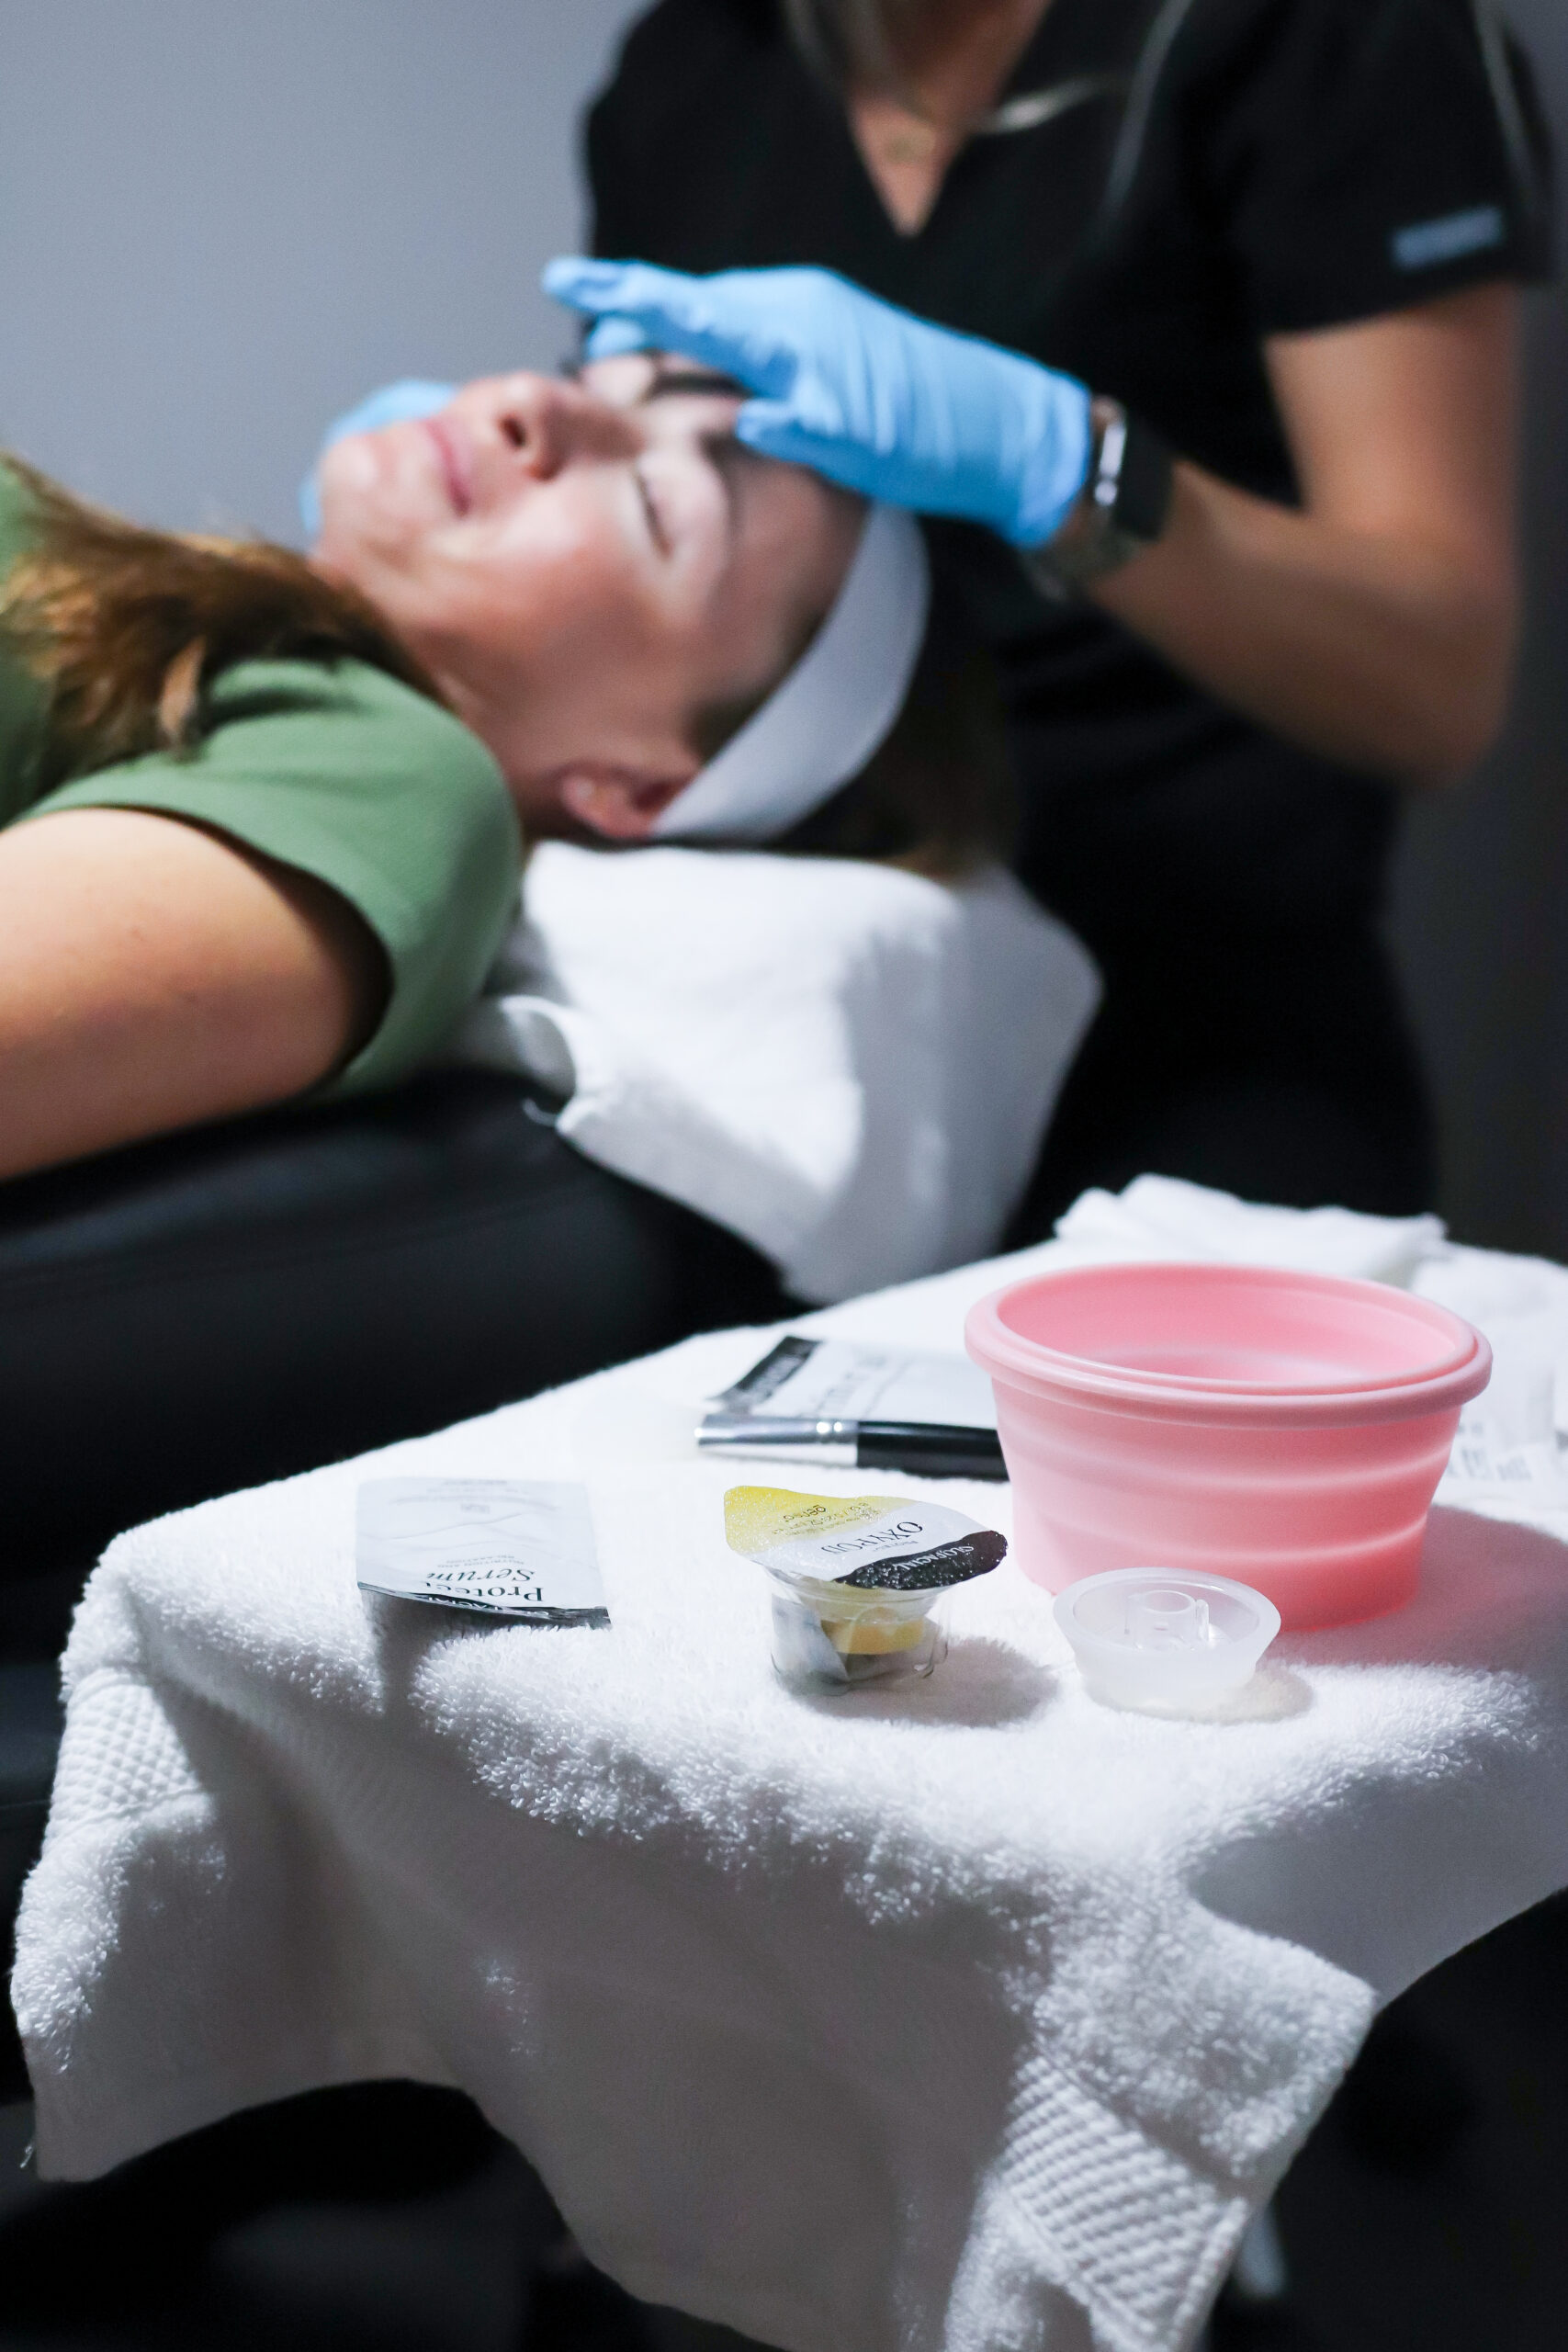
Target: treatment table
x=968 y=2014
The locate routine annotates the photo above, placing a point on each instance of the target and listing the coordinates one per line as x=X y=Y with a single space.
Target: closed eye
x=656 y=529
x=693 y=380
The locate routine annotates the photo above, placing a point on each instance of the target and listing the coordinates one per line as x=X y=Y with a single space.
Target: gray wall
x=219 y=223
x=1482 y=918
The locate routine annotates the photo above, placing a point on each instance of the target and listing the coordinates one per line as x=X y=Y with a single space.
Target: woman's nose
x=549 y=423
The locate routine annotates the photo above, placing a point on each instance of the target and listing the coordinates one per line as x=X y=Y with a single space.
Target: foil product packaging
x=855 y=1580
x=517 y=1548
x=802 y=1378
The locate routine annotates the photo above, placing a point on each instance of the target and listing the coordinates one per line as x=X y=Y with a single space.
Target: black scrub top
x=1220 y=171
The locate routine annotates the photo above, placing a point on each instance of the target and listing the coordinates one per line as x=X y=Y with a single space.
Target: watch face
x=1121 y=509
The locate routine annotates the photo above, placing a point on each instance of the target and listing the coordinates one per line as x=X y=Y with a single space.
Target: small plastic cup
x=830 y=1638
x=1163 y=1640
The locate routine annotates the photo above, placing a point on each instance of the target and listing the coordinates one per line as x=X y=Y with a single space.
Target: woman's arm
x=1377 y=623
x=154 y=973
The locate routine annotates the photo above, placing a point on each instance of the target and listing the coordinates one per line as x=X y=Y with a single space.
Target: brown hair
x=126 y=628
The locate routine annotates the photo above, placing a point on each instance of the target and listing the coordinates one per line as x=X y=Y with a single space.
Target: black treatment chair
x=244 y=1301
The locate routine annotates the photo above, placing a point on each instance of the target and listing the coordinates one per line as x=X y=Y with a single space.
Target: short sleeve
x=350 y=775
x=1370 y=154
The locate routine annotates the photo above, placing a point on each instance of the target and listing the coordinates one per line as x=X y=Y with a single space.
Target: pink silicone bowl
x=1285 y=1429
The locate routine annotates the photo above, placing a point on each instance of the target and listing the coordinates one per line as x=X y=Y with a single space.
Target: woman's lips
x=454 y=462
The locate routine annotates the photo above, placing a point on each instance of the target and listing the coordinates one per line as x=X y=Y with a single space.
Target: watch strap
x=1121 y=509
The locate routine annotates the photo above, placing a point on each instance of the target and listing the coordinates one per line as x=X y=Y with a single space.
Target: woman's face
x=585 y=567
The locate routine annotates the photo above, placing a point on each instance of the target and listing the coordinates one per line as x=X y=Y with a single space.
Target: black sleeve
x=1369 y=154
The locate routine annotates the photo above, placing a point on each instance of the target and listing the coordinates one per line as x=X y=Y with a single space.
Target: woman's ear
x=616 y=802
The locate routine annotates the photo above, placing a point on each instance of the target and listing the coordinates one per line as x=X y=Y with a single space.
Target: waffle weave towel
x=970 y=2018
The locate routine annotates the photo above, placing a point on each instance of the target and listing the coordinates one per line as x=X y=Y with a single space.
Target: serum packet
x=518 y=1548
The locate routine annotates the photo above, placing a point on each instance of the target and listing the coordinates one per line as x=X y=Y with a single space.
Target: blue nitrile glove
x=411 y=396
x=870 y=396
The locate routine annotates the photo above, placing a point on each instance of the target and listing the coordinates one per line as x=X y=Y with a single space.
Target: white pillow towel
x=849 y=1064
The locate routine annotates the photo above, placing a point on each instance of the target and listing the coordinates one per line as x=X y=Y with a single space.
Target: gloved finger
x=580 y=282
x=778 y=429
x=409 y=397
x=599 y=286
x=699 y=317
x=609 y=337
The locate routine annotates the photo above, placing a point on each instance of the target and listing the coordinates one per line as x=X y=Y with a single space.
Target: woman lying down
x=263 y=813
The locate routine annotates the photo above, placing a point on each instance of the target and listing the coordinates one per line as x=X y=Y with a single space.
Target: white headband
x=821 y=725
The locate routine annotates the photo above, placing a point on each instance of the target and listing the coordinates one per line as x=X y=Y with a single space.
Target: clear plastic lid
x=1167 y=1640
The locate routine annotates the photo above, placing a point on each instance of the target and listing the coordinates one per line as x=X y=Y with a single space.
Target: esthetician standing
x=1285 y=237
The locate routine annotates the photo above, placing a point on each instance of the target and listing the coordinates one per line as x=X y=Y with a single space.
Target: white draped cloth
x=965 y=2015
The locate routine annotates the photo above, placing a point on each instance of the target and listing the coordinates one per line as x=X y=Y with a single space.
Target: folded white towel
x=849 y=1064
x=971 y=2016
x=1162 y=1216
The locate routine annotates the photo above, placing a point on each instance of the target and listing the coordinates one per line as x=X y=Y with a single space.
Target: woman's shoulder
x=349 y=710
x=296 y=749
x=343 y=772
x=292 y=751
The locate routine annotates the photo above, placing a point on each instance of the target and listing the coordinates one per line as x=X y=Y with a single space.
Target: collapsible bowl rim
x=1030 y=1364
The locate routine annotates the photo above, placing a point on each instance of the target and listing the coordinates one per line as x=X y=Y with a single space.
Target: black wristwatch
x=1121 y=509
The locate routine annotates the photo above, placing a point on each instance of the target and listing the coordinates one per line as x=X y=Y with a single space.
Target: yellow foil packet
x=854 y=1578
x=882 y=1541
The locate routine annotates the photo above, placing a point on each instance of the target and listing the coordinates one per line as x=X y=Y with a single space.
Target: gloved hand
x=411 y=397
x=870 y=396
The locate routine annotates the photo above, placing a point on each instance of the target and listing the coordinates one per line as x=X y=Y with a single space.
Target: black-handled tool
x=924 y=1449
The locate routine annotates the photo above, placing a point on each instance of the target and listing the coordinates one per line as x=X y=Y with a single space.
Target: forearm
x=152 y=975
x=1378 y=646
x=1377 y=623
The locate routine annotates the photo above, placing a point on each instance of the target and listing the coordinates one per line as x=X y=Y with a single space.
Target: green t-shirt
x=342 y=772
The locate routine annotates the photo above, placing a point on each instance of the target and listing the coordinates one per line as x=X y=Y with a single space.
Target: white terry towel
x=1163 y=1217
x=970 y=2018
x=850 y=1066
